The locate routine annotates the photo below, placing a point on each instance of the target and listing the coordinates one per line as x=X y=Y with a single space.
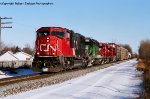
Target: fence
x=15 y=64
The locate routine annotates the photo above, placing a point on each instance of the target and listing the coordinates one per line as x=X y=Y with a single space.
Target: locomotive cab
x=51 y=41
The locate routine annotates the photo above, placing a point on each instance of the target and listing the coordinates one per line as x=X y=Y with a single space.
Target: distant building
x=8 y=56
x=16 y=60
x=23 y=56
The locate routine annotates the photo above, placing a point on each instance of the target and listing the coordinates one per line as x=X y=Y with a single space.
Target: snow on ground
x=3 y=75
x=115 y=82
x=6 y=74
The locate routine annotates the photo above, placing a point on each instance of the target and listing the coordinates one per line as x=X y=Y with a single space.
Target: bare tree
x=28 y=49
x=1 y=47
x=10 y=47
x=144 y=50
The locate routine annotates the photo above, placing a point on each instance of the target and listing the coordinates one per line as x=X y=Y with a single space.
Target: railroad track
x=16 y=79
x=13 y=80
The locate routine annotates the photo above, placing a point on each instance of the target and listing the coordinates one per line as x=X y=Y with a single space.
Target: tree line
x=144 y=64
x=13 y=48
x=30 y=50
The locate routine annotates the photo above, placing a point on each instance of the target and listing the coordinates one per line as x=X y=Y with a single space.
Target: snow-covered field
x=116 y=82
x=20 y=72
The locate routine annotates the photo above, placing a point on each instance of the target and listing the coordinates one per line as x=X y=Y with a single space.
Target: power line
x=2 y=27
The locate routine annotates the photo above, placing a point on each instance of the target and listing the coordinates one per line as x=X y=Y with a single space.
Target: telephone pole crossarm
x=6 y=18
x=6 y=22
x=6 y=27
x=1 y=27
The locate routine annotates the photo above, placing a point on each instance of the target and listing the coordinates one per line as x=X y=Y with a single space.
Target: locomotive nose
x=48 y=46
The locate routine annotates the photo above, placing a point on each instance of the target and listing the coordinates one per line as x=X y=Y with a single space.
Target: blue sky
x=119 y=21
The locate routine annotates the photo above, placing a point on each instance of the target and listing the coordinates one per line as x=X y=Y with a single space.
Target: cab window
x=58 y=34
x=39 y=34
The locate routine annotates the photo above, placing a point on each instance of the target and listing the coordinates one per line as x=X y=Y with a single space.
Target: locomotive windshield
x=39 y=34
x=59 y=34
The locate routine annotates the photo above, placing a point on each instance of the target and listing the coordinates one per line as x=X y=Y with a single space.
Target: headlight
x=38 y=53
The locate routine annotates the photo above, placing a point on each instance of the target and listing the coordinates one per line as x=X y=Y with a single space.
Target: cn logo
x=47 y=47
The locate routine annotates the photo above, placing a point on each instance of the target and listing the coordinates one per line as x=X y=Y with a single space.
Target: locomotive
x=58 y=49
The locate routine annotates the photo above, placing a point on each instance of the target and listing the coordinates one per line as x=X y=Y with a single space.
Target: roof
x=22 y=56
x=8 y=56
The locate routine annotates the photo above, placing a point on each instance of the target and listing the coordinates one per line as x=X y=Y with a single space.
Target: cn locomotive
x=58 y=49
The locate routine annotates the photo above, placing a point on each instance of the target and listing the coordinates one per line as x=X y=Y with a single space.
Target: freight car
x=124 y=53
x=60 y=49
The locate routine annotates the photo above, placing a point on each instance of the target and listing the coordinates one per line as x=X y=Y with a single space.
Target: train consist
x=60 y=49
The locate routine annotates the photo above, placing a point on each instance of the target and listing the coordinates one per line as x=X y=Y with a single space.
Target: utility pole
x=1 y=27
